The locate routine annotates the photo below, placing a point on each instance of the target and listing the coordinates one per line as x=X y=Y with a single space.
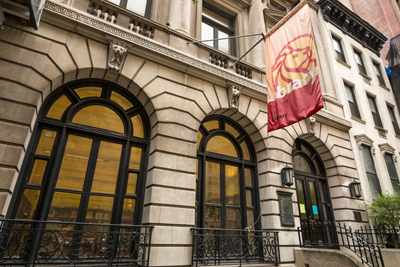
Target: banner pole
x=233 y=64
x=231 y=37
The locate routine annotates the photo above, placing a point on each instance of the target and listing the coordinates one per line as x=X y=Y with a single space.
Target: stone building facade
x=123 y=94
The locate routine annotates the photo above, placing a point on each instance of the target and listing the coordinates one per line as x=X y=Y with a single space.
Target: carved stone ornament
x=310 y=122
x=362 y=139
x=386 y=148
x=116 y=56
x=234 y=93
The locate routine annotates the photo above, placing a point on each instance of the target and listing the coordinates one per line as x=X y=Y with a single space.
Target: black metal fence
x=385 y=236
x=333 y=235
x=226 y=246
x=27 y=242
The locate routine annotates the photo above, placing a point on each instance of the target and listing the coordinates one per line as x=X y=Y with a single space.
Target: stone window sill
x=343 y=63
x=357 y=119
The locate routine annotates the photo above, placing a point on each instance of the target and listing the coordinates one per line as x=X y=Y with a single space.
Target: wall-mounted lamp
x=355 y=189
x=287 y=176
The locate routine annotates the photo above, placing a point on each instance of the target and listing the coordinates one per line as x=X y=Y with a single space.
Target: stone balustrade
x=102 y=11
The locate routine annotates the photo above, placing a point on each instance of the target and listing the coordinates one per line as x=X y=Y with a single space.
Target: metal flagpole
x=247 y=52
x=231 y=37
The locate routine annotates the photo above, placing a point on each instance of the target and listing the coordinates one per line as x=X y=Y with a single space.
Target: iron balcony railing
x=29 y=243
x=331 y=235
x=227 y=246
x=385 y=236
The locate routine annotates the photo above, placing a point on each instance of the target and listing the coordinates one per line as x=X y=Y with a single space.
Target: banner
x=294 y=91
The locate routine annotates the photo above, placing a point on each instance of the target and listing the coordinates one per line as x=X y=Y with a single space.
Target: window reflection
x=213 y=183
x=137 y=124
x=100 y=117
x=85 y=92
x=232 y=185
x=120 y=100
x=38 y=171
x=57 y=109
x=28 y=204
x=300 y=164
x=46 y=142
x=136 y=155
x=221 y=145
x=211 y=125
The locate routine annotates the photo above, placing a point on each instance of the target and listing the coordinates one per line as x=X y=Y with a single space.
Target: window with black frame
x=379 y=74
x=394 y=120
x=141 y=7
x=86 y=161
x=360 y=62
x=352 y=101
x=218 y=24
x=369 y=166
x=374 y=111
x=227 y=188
x=392 y=171
x=338 y=49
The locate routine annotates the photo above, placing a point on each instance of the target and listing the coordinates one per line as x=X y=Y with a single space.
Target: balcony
x=225 y=247
x=28 y=242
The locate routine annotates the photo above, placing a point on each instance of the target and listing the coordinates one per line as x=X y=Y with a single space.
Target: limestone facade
x=179 y=85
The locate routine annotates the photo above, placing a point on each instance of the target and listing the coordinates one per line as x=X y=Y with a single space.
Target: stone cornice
x=141 y=41
x=363 y=139
x=386 y=148
x=333 y=120
x=351 y=24
x=242 y=3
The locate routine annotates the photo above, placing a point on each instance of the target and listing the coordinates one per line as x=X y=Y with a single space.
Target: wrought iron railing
x=225 y=247
x=385 y=236
x=28 y=242
x=333 y=235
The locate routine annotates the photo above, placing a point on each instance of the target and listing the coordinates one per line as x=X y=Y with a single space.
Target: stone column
x=179 y=15
x=256 y=25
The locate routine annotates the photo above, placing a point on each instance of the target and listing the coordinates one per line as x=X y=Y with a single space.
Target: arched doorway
x=313 y=196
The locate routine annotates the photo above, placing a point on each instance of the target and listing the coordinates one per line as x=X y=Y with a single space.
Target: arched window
x=311 y=184
x=87 y=159
x=227 y=186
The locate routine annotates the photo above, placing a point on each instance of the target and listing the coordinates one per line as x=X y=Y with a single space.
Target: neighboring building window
x=392 y=171
x=338 y=49
x=141 y=7
x=352 y=101
x=374 y=111
x=379 y=74
x=227 y=188
x=370 y=171
x=360 y=63
x=217 y=24
x=394 y=121
x=87 y=162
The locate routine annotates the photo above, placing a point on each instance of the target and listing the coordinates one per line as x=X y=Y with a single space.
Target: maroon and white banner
x=294 y=91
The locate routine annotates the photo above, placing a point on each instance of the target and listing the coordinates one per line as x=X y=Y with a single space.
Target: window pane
x=137 y=124
x=213 y=217
x=358 y=58
x=233 y=219
x=300 y=164
x=137 y=6
x=317 y=167
x=313 y=196
x=377 y=70
x=64 y=207
x=221 y=145
x=211 y=125
x=250 y=218
x=302 y=201
x=46 y=142
x=215 y=17
x=88 y=92
x=57 y=110
x=199 y=137
x=245 y=149
x=132 y=180
x=120 y=100
x=28 y=204
x=100 y=117
x=368 y=163
x=247 y=176
x=107 y=165
x=38 y=171
x=213 y=181
x=249 y=203
x=373 y=185
x=232 y=185
x=128 y=211
x=231 y=130
x=223 y=45
x=73 y=168
x=336 y=45
x=306 y=150
x=395 y=184
x=207 y=33
x=390 y=166
x=136 y=156
x=371 y=102
x=102 y=207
